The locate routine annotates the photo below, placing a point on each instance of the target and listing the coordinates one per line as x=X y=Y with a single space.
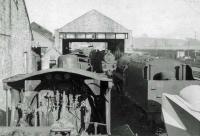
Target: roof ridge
x=41 y=27
x=111 y=19
x=45 y=36
x=94 y=11
x=76 y=19
x=24 y=3
x=42 y=31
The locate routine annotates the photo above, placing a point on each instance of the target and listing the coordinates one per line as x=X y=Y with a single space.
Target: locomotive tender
x=142 y=79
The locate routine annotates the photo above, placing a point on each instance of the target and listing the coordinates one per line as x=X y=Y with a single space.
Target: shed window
x=110 y=36
x=100 y=36
x=71 y=36
x=90 y=36
x=80 y=35
x=121 y=36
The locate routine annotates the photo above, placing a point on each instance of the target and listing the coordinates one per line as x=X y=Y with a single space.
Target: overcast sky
x=155 y=18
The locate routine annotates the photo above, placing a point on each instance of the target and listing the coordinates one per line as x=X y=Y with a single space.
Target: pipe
x=25 y=62
x=6 y=107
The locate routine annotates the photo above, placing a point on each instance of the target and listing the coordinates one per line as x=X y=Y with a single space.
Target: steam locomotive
x=67 y=100
x=74 y=98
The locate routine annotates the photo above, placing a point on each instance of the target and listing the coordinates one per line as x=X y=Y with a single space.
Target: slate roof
x=41 y=30
x=93 y=21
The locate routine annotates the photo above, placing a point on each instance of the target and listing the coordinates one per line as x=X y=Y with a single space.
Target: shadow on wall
x=3 y=117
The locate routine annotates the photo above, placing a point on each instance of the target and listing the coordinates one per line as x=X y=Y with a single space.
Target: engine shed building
x=93 y=27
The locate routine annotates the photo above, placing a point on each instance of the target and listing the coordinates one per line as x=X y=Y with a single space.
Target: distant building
x=15 y=42
x=95 y=29
x=42 y=37
x=50 y=58
x=43 y=43
x=170 y=48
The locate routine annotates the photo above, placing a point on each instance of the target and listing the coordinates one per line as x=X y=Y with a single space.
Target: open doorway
x=111 y=44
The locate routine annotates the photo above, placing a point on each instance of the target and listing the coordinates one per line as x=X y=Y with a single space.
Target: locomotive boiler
x=143 y=79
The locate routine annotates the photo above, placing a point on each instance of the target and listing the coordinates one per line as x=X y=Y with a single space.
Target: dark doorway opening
x=113 y=44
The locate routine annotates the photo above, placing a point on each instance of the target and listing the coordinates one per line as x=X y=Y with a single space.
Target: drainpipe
x=25 y=62
x=6 y=107
x=9 y=46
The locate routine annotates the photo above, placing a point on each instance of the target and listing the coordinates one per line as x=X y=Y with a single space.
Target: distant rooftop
x=41 y=30
x=93 y=21
x=165 y=44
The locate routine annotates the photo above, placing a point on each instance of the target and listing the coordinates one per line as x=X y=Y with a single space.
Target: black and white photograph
x=99 y=67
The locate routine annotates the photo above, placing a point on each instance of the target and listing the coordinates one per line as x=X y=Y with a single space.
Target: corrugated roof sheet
x=41 y=30
x=93 y=21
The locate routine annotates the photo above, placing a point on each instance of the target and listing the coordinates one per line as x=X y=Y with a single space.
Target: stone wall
x=15 y=40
